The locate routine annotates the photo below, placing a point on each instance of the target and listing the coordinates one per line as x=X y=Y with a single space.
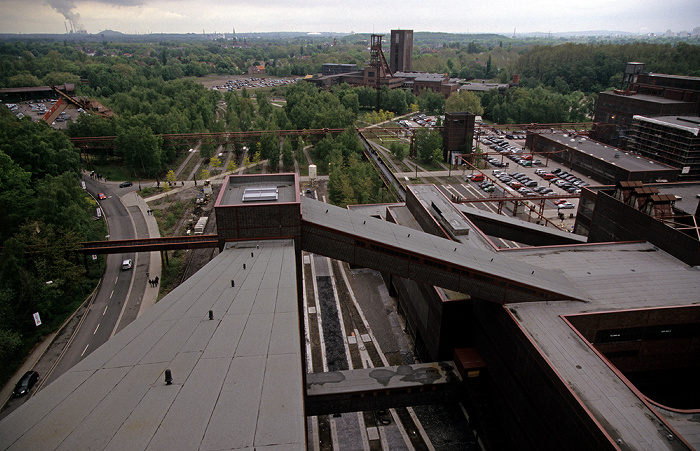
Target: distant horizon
x=581 y=33
x=139 y=17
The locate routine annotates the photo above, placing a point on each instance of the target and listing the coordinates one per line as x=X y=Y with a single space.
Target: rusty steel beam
x=150 y=244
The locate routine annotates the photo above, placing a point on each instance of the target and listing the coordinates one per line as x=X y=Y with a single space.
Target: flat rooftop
x=484 y=260
x=604 y=152
x=236 y=186
x=615 y=277
x=644 y=98
x=237 y=379
x=452 y=219
x=690 y=124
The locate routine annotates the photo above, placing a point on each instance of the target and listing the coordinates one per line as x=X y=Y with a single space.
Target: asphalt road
x=100 y=322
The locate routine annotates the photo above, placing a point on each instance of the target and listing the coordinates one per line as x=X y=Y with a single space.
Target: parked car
x=566 y=205
x=26 y=383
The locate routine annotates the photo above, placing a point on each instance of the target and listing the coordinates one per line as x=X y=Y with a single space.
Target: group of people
x=153 y=282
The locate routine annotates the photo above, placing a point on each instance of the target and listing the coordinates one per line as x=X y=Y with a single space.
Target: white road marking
x=103 y=313
x=98 y=326
x=86 y=346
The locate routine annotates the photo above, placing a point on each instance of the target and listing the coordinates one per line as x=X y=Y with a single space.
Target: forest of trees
x=45 y=216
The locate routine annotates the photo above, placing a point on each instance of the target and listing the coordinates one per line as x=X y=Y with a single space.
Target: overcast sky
x=360 y=16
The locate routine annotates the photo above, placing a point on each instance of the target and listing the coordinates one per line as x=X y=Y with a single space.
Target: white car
x=126 y=264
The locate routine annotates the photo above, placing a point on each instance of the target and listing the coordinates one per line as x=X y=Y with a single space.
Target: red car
x=101 y=196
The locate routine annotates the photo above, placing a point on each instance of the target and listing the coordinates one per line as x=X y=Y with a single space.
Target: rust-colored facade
x=457 y=134
x=401 y=53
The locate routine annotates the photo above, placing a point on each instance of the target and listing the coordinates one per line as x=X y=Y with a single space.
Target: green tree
x=141 y=150
x=59 y=78
x=287 y=154
x=23 y=80
x=464 y=101
x=431 y=102
x=16 y=195
x=398 y=150
x=426 y=142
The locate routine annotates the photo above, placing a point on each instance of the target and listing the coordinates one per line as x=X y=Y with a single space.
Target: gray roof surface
x=482 y=87
x=615 y=276
x=686 y=123
x=644 y=97
x=453 y=219
x=233 y=188
x=237 y=378
x=404 y=217
x=421 y=243
x=607 y=153
x=471 y=210
x=689 y=194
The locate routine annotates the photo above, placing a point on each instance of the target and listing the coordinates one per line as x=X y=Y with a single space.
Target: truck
x=201 y=224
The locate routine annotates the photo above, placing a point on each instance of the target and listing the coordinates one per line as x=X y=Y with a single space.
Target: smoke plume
x=67 y=7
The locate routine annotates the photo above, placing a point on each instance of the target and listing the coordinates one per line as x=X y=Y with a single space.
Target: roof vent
x=260 y=194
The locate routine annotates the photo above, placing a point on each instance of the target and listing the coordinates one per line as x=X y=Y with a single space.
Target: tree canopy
x=45 y=215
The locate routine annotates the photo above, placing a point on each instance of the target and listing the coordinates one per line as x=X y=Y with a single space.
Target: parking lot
x=513 y=171
x=36 y=109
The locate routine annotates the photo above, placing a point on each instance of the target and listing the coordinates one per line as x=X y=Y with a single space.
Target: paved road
x=108 y=311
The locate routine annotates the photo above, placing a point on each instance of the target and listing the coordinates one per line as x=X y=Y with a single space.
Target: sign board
x=99 y=213
x=37 y=320
x=82 y=182
x=94 y=257
x=685 y=170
